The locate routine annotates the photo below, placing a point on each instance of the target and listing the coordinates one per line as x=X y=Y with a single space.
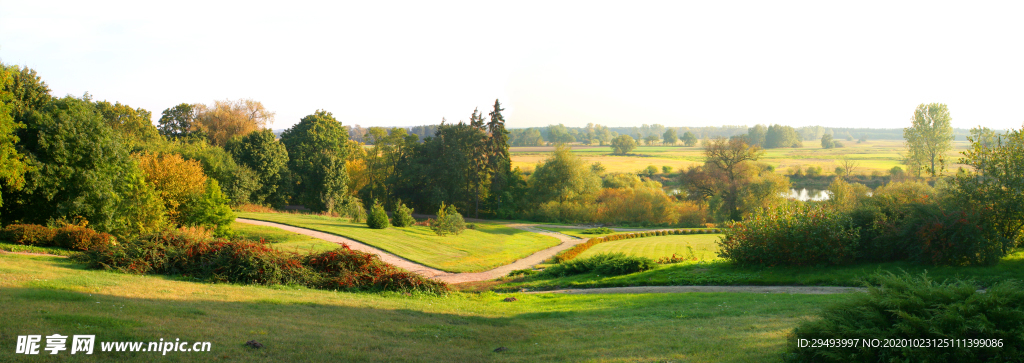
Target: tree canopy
x=317 y=151
x=929 y=137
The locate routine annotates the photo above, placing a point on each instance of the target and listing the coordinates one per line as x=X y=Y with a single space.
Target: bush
x=799 y=235
x=403 y=216
x=377 y=218
x=80 y=238
x=28 y=234
x=609 y=264
x=210 y=209
x=907 y=307
x=598 y=230
x=448 y=221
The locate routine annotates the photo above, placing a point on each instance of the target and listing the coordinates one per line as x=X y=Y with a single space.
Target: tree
x=564 y=177
x=175 y=180
x=448 y=221
x=848 y=165
x=134 y=125
x=227 y=119
x=994 y=190
x=777 y=136
x=623 y=144
x=929 y=137
x=670 y=137
x=268 y=158
x=756 y=135
x=317 y=150
x=727 y=170
x=78 y=168
x=180 y=121
x=209 y=209
x=12 y=163
x=377 y=218
x=826 y=141
x=689 y=139
x=499 y=163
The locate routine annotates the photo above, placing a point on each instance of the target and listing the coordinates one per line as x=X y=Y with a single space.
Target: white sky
x=377 y=63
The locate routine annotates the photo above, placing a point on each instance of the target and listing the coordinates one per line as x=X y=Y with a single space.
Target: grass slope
x=281 y=239
x=477 y=250
x=723 y=272
x=46 y=295
x=704 y=247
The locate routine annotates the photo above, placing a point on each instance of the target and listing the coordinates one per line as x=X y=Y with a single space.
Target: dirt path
x=449 y=277
x=811 y=290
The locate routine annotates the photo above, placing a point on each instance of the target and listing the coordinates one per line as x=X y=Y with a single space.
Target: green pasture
x=488 y=246
x=47 y=295
x=700 y=247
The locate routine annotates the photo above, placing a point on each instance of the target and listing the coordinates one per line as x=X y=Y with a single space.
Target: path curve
x=448 y=277
x=811 y=290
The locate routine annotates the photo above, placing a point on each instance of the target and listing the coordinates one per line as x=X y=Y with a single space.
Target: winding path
x=449 y=277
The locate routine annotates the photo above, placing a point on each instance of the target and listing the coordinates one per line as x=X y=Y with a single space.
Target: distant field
x=489 y=246
x=880 y=155
x=704 y=247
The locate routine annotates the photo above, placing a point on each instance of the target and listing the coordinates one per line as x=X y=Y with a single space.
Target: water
x=805 y=194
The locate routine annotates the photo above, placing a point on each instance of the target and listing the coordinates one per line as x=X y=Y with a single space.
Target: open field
x=489 y=246
x=46 y=295
x=723 y=272
x=703 y=247
x=878 y=155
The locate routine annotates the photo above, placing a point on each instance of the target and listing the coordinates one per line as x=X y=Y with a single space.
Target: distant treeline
x=602 y=135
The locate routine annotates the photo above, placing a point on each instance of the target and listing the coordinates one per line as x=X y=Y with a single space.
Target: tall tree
x=731 y=160
x=317 y=151
x=227 y=119
x=689 y=139
x=180 y=121
x=499 y=163
x=564 y=177
x=670 y=137
x=929 y=137
x=12 y=163
x=268 y=158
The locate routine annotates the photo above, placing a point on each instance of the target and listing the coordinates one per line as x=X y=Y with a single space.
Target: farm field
x=488 y=246
x=701 y=247
x=47 y=295
x=878 y=155
x=723 y=272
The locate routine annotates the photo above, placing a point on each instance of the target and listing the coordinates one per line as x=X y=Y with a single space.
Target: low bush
x=75 y=237
x=28 y=234
x=239 y=261
x=377 y=218
x=598 y=230
x=403 y=216
x=449 y=221
x=610 y=264
x=797 y=235
x=902 y=308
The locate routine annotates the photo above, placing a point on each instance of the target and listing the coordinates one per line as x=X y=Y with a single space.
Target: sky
x=406 y=63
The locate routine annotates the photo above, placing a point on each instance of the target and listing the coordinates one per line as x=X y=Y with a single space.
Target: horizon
x=685 y=65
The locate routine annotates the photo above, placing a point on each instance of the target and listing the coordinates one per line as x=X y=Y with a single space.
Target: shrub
x=448 y=221
x=954 y=238
x=598 y=230
x=377 y=218
x=798 y=235
x=907 y=307
x=80 y=238
x=610 y=264
x=403 y=216
x=347 y=269
x=210 y=209
x=28 y=234
x=814 y=171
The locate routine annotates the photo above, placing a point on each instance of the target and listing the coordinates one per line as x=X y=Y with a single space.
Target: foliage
x=598 y=230
x=623 y=144
x=565 y=212
x=79 y=169
x=28 y=234
x=727 y=172
x=611 y=264
x=403 y=216
x=564 y=177
x=846 y=196
x=241 y=261
x=929 y=137
x=133 y=125
x=795 y=235
x=899 y=307
x=12 y=163
x=261 y=152
x=209 y=209
x=181 y=121
x=239 y=182
x=827 y=142
x=377 y=218
x=643 y=205
x=175 y=179
x=317 y=150
x=448 y=221
x=996 y=189
x=227 y=119
x=75 y=237
x=669 y=137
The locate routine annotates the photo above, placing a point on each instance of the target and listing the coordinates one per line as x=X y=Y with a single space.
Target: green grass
x=281 y=239
x=703 y=247
x=723 y=272
x=575 y=232
x=488 y=246
x=46 y=295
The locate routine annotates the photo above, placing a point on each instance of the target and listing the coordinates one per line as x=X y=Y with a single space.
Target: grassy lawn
x=14 y=247
x=46 y=295
x=488 y=246
x=575 y=232
x=723 y=272
x=703 y=247
x=281 y=239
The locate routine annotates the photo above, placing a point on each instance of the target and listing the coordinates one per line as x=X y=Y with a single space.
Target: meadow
x=870 y=156
x=487 y=246
x=47 y=295
x=698 y=247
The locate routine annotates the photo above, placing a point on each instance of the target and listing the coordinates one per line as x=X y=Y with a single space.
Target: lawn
x=281 y=239
x=701 y=247
x=722 y=272
x=575 y=232
x=486 y=247
x=46 y=295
